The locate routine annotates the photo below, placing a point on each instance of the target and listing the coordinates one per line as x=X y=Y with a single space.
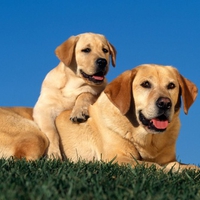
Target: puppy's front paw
x=79 y=115
x=54 y=155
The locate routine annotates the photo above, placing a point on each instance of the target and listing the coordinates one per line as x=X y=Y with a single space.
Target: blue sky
x=143 y=31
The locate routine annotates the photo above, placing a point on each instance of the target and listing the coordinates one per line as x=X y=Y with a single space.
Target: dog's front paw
x=54 y=155
x=79 y=115
x=179 y=167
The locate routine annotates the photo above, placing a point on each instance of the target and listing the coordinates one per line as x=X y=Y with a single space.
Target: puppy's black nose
x=164 y=103
x=101 y=63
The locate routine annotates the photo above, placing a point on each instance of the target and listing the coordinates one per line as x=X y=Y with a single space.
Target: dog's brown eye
x=171 y=86
x=87 y=50
x=146 y=84
x=105 y=50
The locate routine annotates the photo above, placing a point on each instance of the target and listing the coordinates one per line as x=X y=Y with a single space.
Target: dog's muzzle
x=98 y=77
x=159 y=123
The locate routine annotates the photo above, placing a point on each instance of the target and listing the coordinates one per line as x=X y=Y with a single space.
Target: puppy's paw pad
x=79 y=116
x=79 y=119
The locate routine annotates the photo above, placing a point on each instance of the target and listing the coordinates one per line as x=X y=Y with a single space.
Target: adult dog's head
x=88 y=55
x=155 y=92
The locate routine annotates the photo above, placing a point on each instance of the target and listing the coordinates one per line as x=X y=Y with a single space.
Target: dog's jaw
x=94 y=79
x=155 y=125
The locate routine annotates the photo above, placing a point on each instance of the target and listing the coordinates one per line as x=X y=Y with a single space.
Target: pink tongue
x=100 y=78
x=160 y=124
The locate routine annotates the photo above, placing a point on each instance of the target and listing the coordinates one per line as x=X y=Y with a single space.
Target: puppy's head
x=88 y=55
x=155 y=91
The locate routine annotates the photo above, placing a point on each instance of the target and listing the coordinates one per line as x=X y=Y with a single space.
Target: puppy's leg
x=46 y=121
x=53 y=150
x=80 y=110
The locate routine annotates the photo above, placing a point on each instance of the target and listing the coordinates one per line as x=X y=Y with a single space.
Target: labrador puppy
x=135 y=120
x=74 y=84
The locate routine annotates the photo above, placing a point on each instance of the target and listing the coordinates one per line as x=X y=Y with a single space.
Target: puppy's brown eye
x=105 y=50
x=171 y=86
x=146 y=84
x=86 y=50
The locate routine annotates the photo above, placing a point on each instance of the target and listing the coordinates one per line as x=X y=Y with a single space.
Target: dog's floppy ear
x=188 y=91
x=65 y=51
x=119 y=91
x=113 y=54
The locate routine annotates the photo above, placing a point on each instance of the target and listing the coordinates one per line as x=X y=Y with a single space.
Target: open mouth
x=96 y=78
x=158 y=124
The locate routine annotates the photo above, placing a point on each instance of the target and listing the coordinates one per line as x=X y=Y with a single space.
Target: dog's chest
x=73 y=88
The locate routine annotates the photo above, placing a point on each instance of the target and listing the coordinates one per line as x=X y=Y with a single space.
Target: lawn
x=44 y=179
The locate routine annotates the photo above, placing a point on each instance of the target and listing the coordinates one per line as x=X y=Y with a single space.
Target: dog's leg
x=54 y=142
x=80 y=110
x=172 y=166
x=46 y=122
x=179 y=167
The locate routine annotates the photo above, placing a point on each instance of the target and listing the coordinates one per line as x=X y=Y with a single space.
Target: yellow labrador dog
x=74 y=84
x=135 y=120
x=19 y=134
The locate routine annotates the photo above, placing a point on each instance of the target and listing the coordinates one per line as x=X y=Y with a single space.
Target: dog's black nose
x=101 y=63
x=164 y=103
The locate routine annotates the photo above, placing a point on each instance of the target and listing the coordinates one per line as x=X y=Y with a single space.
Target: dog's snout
x=101 y=63
x=164 y=103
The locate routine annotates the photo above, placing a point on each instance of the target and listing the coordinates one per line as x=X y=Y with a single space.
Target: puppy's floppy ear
x=188 y=91
x=119 y=91
x=113 y=54
x=65 y=51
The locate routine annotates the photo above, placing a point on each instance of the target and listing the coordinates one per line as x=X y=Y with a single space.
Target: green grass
x=51 y=180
